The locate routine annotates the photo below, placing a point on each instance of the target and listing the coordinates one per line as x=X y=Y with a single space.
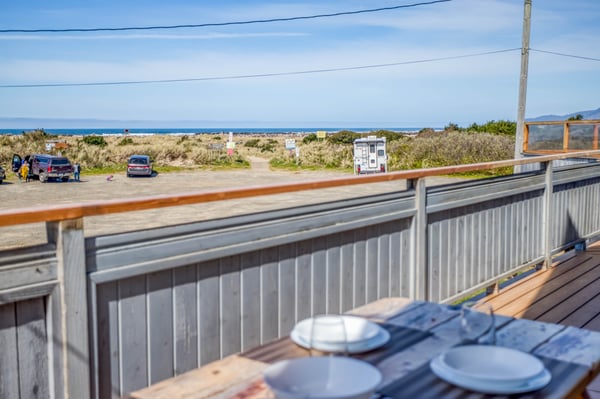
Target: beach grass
x=109 y=154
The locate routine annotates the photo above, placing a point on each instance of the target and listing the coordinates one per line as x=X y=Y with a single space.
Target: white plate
x=493 y=364
x=328 y=377
x=498 y=373
x=380 y=339
x=357 y=329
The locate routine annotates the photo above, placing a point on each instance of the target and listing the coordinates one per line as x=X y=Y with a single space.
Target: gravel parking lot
x=16 y=194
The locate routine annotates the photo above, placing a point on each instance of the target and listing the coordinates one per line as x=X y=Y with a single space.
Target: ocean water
x=192 y=131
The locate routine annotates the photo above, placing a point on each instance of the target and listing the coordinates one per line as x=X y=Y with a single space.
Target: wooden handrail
x=65 y=212
x=570 y=122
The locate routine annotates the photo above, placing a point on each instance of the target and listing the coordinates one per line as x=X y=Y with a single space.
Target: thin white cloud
x=215 y=64
x=466 y=15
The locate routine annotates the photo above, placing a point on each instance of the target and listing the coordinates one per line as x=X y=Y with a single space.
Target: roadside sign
x=290 y=144
x=321 y=134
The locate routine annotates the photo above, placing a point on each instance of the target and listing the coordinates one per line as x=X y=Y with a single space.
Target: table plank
x=223 y=378
x=424 y=315
x=385 y=308
x=574 y=345
x=526 y=335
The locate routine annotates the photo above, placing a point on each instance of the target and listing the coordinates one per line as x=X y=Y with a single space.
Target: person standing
x=76 y=171
x=25 y=172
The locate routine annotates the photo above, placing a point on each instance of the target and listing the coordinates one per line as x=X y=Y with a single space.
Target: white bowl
x=327 y=377
x=357 y=329
x=494 y=364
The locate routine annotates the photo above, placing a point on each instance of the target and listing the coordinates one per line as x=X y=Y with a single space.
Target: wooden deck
x=567 y=294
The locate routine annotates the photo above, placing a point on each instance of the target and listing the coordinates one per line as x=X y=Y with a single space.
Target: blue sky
x=424 y=94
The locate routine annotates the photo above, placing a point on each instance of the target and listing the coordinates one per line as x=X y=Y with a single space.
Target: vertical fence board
x=32 y=349
x=319 y=276
x=433 y=232
x=109 y=349
x=304 y=280
x=360 y=267
x=383 y=263
x=186 y=318
x=372 y=262
x=231 y=339
x=333 y=281
x=250 y=297
x=405 y=260
x=209 y=334
x=160 y=326
x=287 y=288
x=269 y=294
x=8 y=358
x=347 y=271
x=396 y=254
x=132 y=300
x=451 y=266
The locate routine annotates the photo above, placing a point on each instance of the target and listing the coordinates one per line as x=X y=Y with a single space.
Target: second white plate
x=380 y=339
x=490 y=369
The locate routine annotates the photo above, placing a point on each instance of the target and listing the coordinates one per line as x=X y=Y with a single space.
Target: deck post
x=69 y=308
x=418 y=273
x=547 y=213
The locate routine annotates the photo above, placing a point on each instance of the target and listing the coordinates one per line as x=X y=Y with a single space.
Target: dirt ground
x=15 y=194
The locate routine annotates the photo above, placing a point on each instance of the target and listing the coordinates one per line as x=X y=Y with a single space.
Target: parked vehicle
x=139 y=165
x=370 y=155
x=2 y=174
x=46 y=167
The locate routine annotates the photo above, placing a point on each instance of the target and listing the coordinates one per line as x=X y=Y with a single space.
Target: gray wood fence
x=103 y=316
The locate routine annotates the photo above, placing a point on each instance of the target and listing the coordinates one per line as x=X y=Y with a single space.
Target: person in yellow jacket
x=25 y=172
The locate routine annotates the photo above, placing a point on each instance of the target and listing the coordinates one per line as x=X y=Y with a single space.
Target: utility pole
x=523 y=81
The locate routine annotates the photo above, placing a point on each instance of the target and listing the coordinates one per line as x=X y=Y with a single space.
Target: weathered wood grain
x=33 y=371
x=133 y=340
x=223 y=377
x=70 y=257
x=8 y=359
x=185 y=303
x=160 y=330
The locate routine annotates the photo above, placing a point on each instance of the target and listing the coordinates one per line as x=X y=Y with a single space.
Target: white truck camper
x=370 y=155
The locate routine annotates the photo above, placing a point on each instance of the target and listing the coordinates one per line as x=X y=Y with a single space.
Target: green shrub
x=269 y=146
x=501 y=127
x=310 y=138
x=252 y=143
x=388 y=134
x=343 y=137
x=95 y=140
x=125 y=141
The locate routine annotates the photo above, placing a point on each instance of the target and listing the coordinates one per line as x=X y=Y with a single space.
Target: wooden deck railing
x=65 y=212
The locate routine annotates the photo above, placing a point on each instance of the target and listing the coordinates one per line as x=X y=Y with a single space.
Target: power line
x=566 y=55
x=261 y=75
x=256 y=21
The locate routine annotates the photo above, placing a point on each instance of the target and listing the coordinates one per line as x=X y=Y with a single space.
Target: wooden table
x=419 y=331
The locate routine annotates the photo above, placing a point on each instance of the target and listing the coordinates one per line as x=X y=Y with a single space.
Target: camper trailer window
x=372 y=148
x=380 y=153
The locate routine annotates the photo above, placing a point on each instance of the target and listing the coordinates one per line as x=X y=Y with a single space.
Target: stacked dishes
x=361 y=335
x=491 y=369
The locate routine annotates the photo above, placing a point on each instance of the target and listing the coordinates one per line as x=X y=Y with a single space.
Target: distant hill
x=591 y=114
